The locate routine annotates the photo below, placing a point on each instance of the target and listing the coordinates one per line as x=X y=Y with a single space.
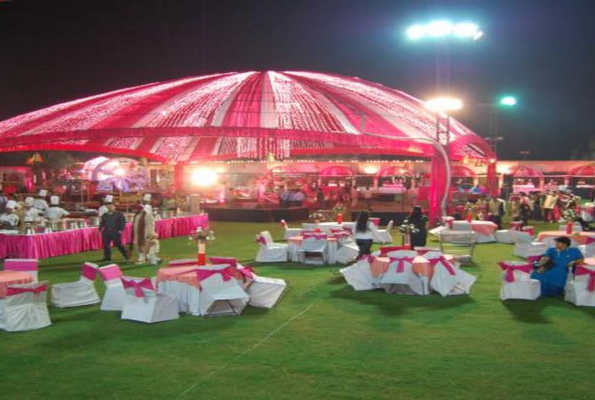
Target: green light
x=508 y=101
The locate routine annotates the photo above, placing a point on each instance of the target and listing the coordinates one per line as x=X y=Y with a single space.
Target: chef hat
x=29 y=201
x=147 y=197
x=109 y=199
x=54 y=200
x=43 y=193
x=11 y=204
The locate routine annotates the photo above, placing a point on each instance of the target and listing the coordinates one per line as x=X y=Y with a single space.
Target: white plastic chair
x=265 y=292
x=580 y=289
x=384 y=235
x=290 y=232
x=114 y=296
x=30 y=266
x=268 y=250
x=517 y=283
x=78 y=293
x=220 y=293
x=359 y=275
x=400 y=278
x=144 y=304
x=313 y=249
x=525 y=247
x=25 y=307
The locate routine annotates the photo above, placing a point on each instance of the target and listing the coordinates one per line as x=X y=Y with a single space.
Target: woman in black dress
x=420 y=221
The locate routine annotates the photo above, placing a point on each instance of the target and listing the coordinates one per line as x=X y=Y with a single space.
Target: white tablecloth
x=293 y=246
x=327 y=226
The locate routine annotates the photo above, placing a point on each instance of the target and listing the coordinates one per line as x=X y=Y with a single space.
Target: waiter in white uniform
x=55 y=212
x=40 y=202
x=9 y=219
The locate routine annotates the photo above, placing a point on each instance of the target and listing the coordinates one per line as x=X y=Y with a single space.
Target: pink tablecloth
x=187 y=275
x=580 y=238
x=421 y=266
x=485 y=228
x=80 y=240
x=13 y=278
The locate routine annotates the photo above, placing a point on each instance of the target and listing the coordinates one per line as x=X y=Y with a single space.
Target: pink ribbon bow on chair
x=510 y=268
x=138 y=286
x=261 y=240
x=401 y=263
x=89 y=272
x=444 y=262
x=247 y=272
x=370 y=258
x=13 y=291
x=580 y=270
x=226 y=273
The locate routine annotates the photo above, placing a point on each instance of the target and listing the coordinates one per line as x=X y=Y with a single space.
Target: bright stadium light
x=204 y=177
x=445 y=29
x=508 y=101
x=444 y=105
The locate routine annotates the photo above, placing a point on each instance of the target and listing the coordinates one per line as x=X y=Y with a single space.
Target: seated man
x=552 y=268
x=9 y=219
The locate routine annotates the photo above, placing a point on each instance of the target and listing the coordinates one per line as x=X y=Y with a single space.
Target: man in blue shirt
x=553 y=267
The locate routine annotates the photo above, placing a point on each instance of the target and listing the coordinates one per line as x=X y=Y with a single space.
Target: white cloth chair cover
x=265 y=292
x=588 y=250
x=525 y=247
x=79 y=293
x=220 y=297
x=384 y=235
x=28 y=265
x=522 y=288
x=442 y=281
x=403 y=281
x=270 y=251
x=347 y=252
x=359 y=275
x=504 y=236
x=114 y=296
x=150 y=307
x=313 y=251
x=25 y=311
x=577 y=290
x=290 y=232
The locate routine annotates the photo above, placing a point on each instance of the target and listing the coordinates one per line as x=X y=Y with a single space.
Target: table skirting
x=8 y=278
x=88 y=239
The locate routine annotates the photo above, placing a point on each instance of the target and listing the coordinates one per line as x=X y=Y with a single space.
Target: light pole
x=442 y=32
x=507 y=101
x=443 y=107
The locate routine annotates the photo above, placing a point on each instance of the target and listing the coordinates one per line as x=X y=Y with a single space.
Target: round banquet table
x=327 y=226
x=484 y=230
x=294 y=243
x=578 y=238
x=421 y=266
x=8 y=278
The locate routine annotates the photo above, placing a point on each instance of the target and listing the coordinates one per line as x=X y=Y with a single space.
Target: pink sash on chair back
x=369 y=258
x=226 y=273
x=401 y=263
x=89 y=272
x=516 y=225
x=13 y=291
x=110 y=272
x=449 y=222
x=510 y=268
x=138 y=286
x=444 y=262
x=261 y=240
x=22 y=265
x=580 y=270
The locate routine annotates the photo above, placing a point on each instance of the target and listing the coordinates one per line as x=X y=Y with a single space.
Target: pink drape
x=492 y=179
x=437 y=188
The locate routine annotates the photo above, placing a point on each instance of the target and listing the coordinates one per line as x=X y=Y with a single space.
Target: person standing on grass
x=111 y=227
x=364 y=233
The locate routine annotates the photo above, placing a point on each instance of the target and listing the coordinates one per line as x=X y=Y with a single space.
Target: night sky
x=543 y=51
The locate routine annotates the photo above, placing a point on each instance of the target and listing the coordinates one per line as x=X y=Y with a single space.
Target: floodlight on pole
x=444 y=105
x=508 y=101
x=443 y=29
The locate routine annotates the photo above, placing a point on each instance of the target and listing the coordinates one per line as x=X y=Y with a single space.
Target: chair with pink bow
x=580 y=289
x=359 y=275
x=144 y=304
x=269 y=251
x=313 y=248
x=517 y=283
x=400 y=277
x=448 y=279
x=25 y=307
x=78 y=293
x=30 y=266
x=525 y=247
x=383 y=235
x=220 y=292
x=114 y=296
x=264 y=292
x=290 y=232
x=348 y=249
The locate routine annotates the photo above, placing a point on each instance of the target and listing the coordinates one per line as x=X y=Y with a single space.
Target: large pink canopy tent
x=248 y=115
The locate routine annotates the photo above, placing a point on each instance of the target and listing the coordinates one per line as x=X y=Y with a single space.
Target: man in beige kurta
x=144 y=236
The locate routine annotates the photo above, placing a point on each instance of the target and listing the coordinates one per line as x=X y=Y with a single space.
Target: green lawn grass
x=323 y=341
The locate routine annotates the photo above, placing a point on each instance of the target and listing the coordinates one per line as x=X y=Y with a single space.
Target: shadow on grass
x=395 y=305
x=528 y=311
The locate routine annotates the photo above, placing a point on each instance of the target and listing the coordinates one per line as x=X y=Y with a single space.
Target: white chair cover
x=26 y=310
x=290 y=232
x=445 y=279
x=578 y=287
x=384 y=235
x=265 y=292
x=268 y=251
x=79 y=293
x=400 y=278
x=525 y=247
x=114 y=296
x=220 y=297
x=522 y=287
x=144 y=304
x=359 y=275
x=310 y=248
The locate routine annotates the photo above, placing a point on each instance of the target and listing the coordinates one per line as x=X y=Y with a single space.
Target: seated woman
x=553 y=267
